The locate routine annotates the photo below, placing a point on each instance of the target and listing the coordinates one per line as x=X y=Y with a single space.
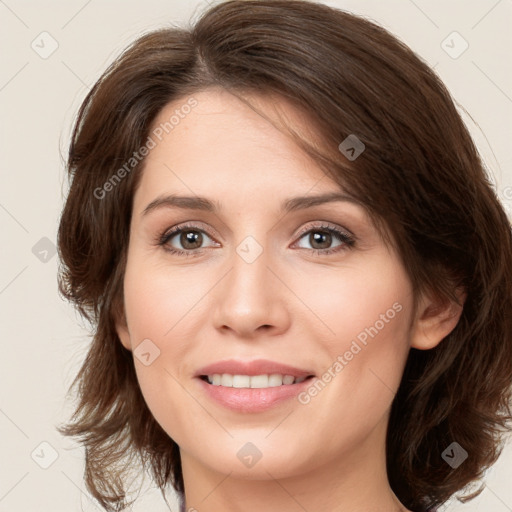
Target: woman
x=298 y=272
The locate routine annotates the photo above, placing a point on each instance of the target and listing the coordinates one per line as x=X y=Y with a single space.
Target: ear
x=122 y=328
x=435 y=319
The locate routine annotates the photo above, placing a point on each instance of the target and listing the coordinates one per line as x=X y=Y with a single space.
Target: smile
x=252 y=381
x=252 y=386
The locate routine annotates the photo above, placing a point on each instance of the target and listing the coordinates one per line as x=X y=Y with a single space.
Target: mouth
x=252 y=386
x=262 y=381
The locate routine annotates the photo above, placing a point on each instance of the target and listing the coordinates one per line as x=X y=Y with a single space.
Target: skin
x=290 y=305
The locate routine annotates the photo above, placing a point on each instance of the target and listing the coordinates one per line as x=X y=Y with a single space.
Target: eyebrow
x=204 y=204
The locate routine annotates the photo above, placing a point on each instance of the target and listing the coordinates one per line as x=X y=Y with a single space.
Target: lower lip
x=252 y=399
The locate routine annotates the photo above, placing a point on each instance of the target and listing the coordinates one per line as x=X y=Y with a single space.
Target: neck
x=355 y=480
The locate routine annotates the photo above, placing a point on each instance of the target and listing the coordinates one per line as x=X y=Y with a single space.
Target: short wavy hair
x=420 y=177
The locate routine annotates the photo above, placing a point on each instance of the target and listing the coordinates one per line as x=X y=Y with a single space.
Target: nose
x=252 y=299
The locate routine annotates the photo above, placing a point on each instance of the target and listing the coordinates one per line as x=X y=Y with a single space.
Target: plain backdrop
x=51 y=54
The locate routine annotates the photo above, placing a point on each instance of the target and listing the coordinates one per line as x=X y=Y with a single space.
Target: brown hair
x=420 y=176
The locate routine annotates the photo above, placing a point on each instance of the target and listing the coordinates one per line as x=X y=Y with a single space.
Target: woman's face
x=262 y=283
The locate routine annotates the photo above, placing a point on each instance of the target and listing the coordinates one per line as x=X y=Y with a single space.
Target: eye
x=188 y=237
x=322 y=237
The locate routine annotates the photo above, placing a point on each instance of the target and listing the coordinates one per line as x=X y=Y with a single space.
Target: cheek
x=368 y=317
x=161 y=307
x=368 y=302
x=160 y=304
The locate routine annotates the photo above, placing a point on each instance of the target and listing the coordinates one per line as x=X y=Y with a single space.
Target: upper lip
x=254 y=367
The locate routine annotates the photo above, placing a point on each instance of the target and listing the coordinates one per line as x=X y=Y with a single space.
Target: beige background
x=43 y=341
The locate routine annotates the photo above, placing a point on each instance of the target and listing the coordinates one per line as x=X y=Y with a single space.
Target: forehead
x=224 y=145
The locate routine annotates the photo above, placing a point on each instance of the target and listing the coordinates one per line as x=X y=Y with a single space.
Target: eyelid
x=325 y=225
x=192 y=225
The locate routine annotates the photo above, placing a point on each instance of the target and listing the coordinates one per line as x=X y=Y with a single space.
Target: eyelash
x=347 y=240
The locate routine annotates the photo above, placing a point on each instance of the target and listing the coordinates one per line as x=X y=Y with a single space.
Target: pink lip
x=255 y=367
x=249 y=400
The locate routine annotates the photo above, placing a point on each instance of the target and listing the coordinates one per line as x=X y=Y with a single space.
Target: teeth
x=253 y=381
x=241 y=381
x=288 y=379
x=275 y=380
x=226 y=380
x=258 y=381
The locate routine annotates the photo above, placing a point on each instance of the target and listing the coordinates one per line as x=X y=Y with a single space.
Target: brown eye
x=185 y=240
x=190 y=239
x=322 y=238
